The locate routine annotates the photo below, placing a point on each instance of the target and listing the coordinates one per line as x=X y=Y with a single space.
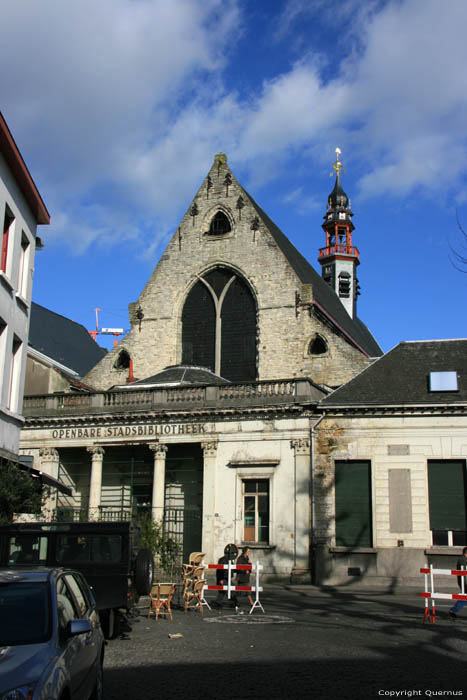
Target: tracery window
x=219 y=326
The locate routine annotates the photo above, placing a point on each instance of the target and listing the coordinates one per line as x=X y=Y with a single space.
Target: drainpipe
x=313 y=517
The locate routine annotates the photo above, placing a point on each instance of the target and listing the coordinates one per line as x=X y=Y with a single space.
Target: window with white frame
x=255 y=493
x=24 y=266
x=8 y=220
x=15 y=375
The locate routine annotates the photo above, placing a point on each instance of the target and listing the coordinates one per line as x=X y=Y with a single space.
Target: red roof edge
x=347 y=335
x=19 y=169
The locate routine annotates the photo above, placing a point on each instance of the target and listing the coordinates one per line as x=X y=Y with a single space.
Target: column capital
x=210 y=448
x=301 y=446
x=96 y=451
x=48 y=454
x=159 y=448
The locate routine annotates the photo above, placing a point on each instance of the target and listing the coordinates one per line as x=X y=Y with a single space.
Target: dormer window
x=220 y=225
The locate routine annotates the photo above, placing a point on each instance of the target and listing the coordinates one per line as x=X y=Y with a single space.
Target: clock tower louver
x=339 y=259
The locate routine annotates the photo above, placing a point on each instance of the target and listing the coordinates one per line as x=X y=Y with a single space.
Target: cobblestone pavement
x=311 y=642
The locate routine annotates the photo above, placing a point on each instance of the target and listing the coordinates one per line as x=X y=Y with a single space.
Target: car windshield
x=25 y=613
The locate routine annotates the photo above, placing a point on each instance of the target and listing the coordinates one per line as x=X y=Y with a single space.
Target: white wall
x=15 y=302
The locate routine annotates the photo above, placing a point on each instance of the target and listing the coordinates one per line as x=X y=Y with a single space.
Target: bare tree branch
x=459 y=259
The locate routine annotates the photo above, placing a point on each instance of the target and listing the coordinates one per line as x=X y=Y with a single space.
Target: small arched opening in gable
x=220 y=225
x=318 y=346
x=123 y=360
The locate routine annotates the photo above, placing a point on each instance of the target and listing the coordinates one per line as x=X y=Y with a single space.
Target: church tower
x=339 y=259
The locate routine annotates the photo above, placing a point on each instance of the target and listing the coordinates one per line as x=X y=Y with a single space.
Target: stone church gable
x=223 y=229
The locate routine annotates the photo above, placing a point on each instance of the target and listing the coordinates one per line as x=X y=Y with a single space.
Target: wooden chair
x=194 y=596
x=195 y=575
x=160 y=598
x=194 y=560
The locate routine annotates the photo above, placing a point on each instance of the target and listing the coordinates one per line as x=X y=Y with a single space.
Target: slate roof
x=63 y=340
x=325 y=298
x=183 y=375
x=401 y=376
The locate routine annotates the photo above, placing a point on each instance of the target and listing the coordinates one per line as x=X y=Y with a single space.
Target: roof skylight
x=443 y=381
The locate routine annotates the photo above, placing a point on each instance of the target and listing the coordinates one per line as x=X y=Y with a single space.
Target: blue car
x=51 y=641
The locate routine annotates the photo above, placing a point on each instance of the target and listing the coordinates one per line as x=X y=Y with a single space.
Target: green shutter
x=353 y=504
x=446 y=487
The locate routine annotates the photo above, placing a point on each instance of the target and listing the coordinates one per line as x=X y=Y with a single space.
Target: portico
x=213 y=472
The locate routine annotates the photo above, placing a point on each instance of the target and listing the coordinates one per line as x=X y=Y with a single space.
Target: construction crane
x=105 y=331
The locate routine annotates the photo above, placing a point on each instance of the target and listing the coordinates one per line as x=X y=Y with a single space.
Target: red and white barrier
x=430 y=594
x=231 y=568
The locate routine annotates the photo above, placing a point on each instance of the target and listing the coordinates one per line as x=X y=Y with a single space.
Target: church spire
x=339 y=258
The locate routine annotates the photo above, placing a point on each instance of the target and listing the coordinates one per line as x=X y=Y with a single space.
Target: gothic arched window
x=220 y=225
x=219 y=326
x=318 y=346
x=123 y=360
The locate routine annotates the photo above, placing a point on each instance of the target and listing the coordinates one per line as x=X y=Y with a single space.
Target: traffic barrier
x=231 y=568
x=430 y=594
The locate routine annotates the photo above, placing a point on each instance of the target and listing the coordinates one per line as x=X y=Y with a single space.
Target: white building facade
x=21 y=210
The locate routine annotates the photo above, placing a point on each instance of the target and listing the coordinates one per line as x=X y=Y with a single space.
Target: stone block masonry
x=284 y=331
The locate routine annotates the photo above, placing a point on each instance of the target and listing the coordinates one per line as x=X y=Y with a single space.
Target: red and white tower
x=339 y=259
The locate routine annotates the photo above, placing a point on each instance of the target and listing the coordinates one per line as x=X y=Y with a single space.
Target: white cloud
x=411 y=96
x=93 y=87
x=399 y=104
x=94 y=73
x=121 y=104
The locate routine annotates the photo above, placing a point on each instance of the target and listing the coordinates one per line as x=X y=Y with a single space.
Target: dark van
x=107 y=553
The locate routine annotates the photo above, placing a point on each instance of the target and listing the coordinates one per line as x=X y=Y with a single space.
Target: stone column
x=302 y=510
x=96 y=481
x=49 y=464
x=158 y=484
x=209 y=500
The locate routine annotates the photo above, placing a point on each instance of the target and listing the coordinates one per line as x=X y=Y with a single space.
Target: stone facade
x=285 y=325
x=249 y=440
x=222 y=461
x=400 y=522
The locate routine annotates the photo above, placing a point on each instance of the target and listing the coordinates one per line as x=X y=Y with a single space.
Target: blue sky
x=118 y=107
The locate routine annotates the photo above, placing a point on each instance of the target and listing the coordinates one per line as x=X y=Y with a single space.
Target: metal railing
x=341 y=249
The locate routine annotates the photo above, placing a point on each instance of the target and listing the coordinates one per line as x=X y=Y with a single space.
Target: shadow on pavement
x=355 y=679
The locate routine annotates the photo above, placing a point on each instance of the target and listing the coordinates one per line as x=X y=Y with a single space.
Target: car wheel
x=144 y=570
x=98 y=691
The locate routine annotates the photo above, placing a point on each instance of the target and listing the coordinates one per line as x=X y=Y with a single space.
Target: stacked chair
x=194 y=582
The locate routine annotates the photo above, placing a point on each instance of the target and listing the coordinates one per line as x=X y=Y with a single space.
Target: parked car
x=51 y=641
x=108 y=554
